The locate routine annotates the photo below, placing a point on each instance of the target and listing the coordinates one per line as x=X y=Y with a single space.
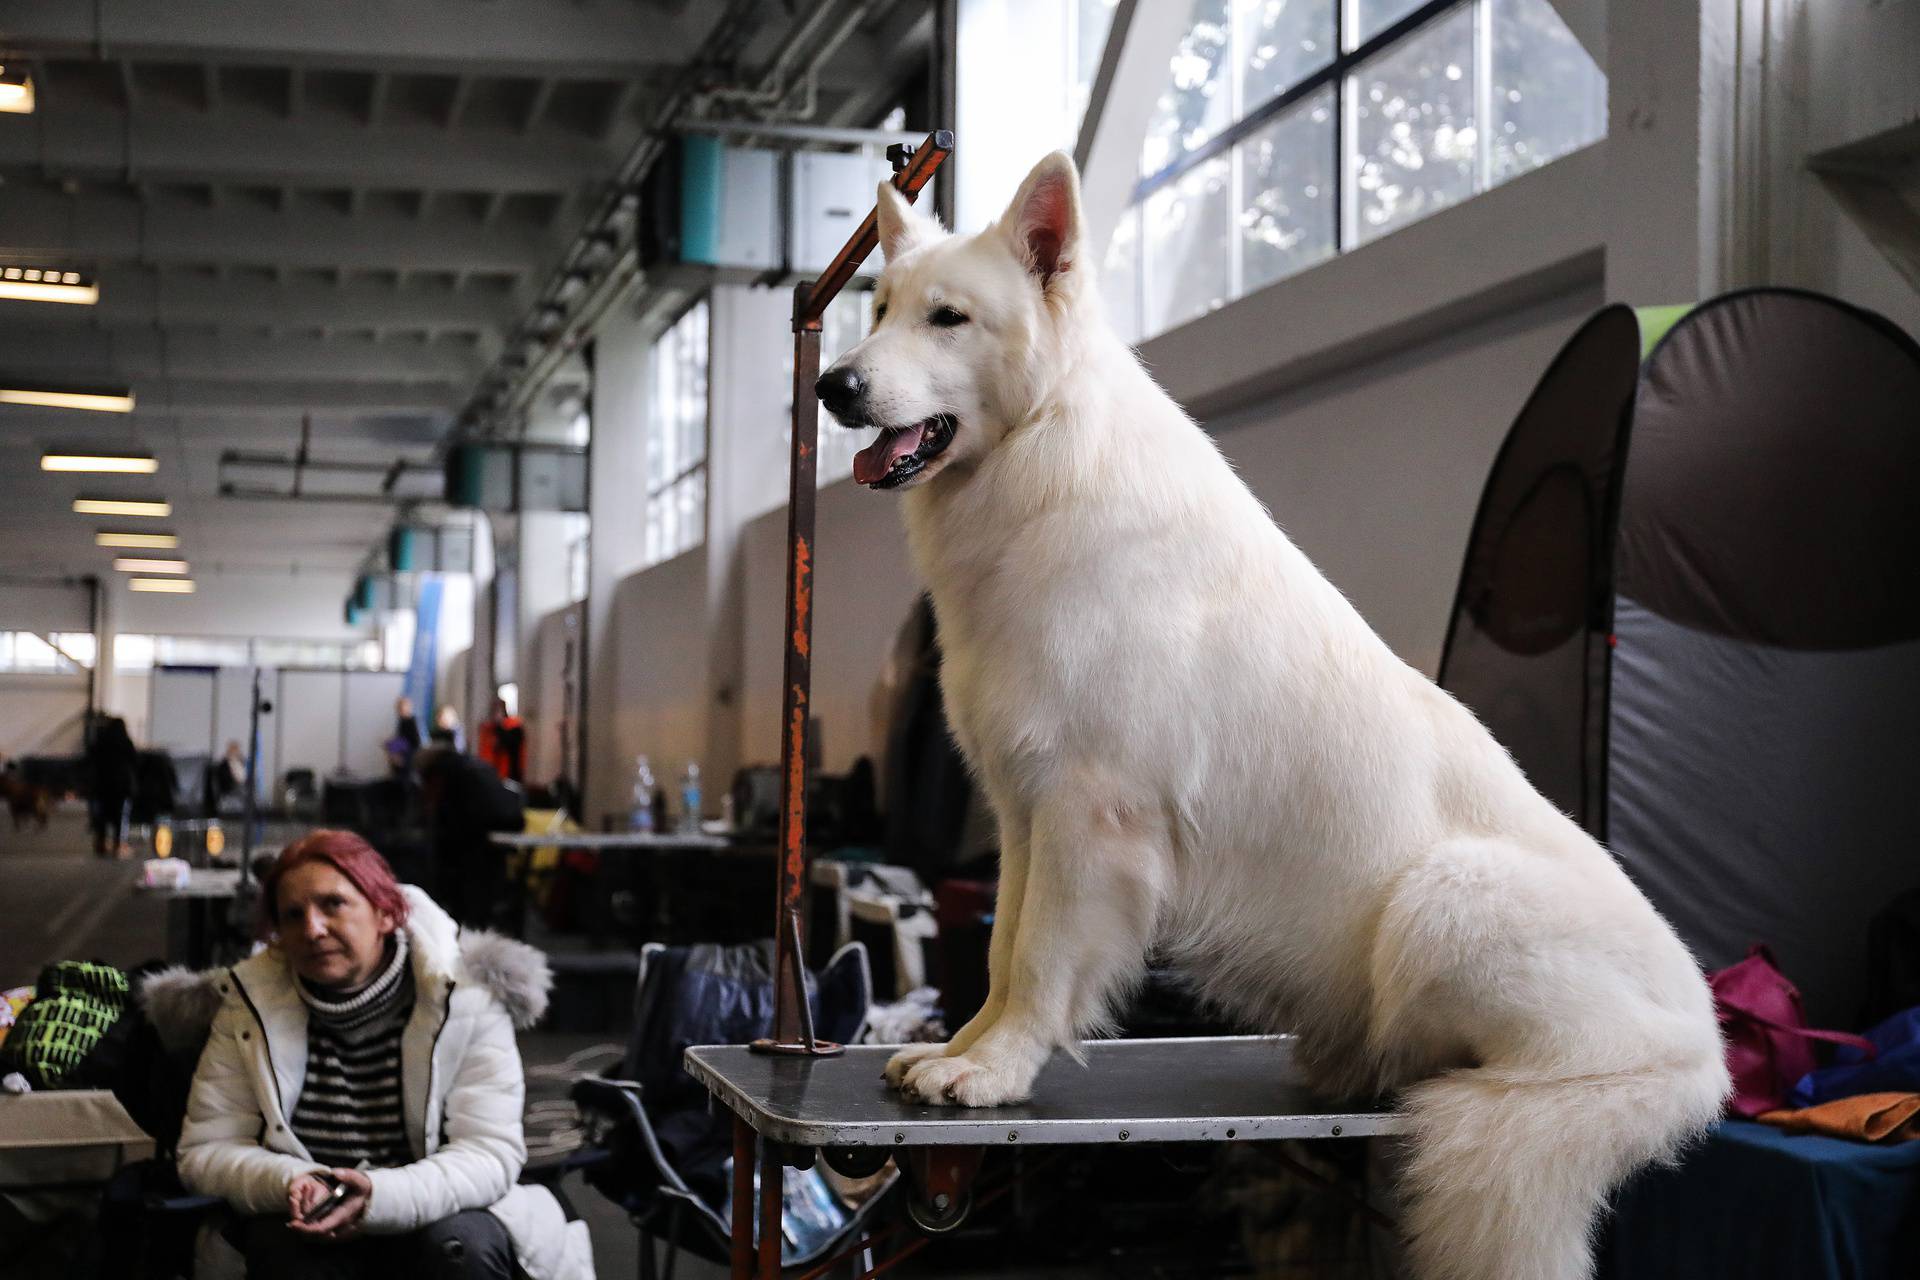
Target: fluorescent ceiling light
x=148 y=541
x=135 y=464
x=123 y=506
x=58 y=398
x=47 y=284
x=16 y=91
x=140 y=564
x=177 y=586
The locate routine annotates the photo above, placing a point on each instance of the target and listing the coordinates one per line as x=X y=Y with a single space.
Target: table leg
x=743 y=1206
x=772 y=1183
x=600 y=917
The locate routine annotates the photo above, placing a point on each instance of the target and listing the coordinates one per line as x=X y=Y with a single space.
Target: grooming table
x=1216 y=1089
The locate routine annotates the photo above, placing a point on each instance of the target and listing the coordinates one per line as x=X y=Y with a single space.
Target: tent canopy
x=1691 y=610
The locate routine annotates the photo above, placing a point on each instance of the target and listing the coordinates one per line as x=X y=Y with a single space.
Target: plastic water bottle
x=690 y=798
x=641 y=817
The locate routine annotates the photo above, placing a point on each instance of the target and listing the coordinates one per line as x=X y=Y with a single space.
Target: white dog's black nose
x=841 y=390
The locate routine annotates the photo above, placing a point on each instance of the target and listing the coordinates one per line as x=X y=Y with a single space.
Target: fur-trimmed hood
x=181 y=1003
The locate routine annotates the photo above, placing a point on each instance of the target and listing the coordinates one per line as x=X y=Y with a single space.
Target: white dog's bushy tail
x=1509 y=1170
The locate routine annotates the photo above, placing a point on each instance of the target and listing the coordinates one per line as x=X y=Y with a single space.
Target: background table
x=56 y=1141
x=634 y=844
x=205 y=898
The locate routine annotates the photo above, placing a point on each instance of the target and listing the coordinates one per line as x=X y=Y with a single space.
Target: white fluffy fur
x=1192 y=740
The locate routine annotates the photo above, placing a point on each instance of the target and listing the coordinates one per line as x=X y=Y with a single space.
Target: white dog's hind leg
x=1006 y=923
x=1092 y=893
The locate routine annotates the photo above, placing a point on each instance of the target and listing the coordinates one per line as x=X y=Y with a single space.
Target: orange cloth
x=1867 y=1117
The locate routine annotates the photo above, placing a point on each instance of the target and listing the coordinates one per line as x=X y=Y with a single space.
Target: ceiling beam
x=513 y=37
x=50 y=227
x=250 y=145
x=133 y=354
x=905 y=36
x=132 y=296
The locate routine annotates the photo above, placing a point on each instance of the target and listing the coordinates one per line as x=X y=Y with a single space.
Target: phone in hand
x=336 y=1192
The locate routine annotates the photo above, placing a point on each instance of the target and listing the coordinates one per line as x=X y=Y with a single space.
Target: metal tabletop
x=1212 y=1089
x=610 y=842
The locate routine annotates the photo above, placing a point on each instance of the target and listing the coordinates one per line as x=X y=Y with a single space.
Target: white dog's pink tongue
x=876 y=460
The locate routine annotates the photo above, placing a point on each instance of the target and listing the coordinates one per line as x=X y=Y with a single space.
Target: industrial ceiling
x=335 y=220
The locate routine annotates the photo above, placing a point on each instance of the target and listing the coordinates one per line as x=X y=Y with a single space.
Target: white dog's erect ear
x=901 y=225
x=1044 y=218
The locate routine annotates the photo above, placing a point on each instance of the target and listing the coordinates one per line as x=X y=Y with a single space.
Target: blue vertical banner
x=426 y=649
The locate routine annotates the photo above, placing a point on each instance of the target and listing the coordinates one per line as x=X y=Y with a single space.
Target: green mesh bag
x=73 y=1005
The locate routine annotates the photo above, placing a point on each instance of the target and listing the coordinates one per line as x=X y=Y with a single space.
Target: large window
x=677 y=439
x=1291 y=130
x=1026 y=69
x=55 y=653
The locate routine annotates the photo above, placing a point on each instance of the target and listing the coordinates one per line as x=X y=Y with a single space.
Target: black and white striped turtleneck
x=348 y=1112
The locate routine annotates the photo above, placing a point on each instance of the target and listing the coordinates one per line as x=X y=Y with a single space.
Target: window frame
x=1333 y=83
x=666 y=489
x=1334 y=73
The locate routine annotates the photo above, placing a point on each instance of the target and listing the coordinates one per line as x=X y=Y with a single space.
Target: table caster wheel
x=937 y=1218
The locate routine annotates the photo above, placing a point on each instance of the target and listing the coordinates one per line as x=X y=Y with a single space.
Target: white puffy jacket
x=462 y=1090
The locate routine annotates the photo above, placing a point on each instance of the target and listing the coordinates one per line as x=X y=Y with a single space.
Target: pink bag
x=1765 y=1027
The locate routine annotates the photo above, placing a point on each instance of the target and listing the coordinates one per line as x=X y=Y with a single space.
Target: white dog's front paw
x=965 y=1081
x=905 y=1060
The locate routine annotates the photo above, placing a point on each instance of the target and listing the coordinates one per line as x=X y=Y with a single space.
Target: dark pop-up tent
x=1690 y=607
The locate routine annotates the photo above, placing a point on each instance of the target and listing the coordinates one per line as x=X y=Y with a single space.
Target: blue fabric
x=1754 y=1202
x=1895 y=1070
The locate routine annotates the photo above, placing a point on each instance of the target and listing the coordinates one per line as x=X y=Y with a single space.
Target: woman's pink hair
x=346 y=853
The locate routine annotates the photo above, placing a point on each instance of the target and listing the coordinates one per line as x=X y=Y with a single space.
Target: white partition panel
x=180 y=718
x=307 y=721
x=368 y=720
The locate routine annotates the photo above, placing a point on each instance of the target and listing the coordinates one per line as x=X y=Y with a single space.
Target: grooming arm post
x=792 y=1027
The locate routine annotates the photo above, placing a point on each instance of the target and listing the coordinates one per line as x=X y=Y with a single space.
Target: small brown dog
x=25 y=800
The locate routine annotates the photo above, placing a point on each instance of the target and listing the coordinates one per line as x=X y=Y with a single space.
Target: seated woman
x=370 y=1048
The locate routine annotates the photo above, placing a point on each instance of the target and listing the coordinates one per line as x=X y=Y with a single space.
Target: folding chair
x=668 y=1153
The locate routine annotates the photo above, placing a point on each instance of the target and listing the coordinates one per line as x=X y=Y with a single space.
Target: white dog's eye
x=879 y=312
x=946 y=317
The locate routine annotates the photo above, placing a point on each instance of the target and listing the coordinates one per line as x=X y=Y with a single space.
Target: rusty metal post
x=792 y=1023
x=790 y=1006
x=743 y=1205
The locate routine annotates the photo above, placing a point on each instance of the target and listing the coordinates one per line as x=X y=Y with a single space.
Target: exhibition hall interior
x=1091 y=638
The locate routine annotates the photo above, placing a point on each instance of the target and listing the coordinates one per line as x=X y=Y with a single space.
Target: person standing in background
x=464 y=802
x=503 y=742
x=446 y=730
x=113 y=760
x=228 y=777
x=406 y=734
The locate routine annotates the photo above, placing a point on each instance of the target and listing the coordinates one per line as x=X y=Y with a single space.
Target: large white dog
x=1191 y=740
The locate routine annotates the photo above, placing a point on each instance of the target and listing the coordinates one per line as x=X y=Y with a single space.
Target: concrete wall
x=656 y=658
x=543 y=701
x=40 y=714
x=863 y=588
